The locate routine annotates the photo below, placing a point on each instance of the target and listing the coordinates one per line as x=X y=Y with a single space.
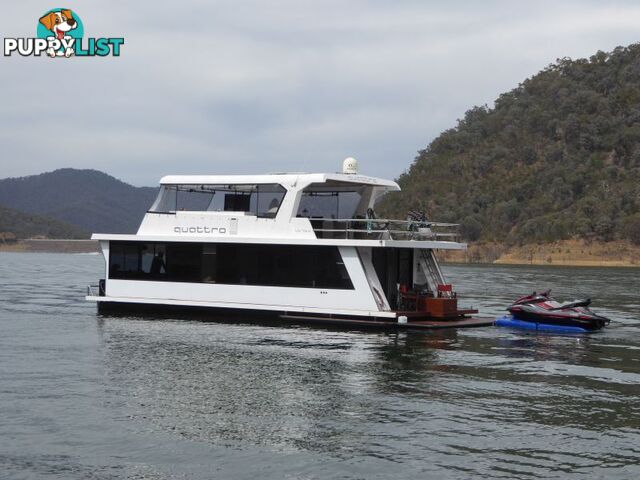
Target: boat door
x=366 y=259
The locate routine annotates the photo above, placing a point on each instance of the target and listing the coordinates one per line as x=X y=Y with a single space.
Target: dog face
x=59 y=22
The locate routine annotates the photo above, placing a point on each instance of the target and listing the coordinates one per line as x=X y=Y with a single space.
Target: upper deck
x=319 y=208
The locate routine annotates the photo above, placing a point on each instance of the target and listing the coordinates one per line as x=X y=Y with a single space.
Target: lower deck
x=371 y=287
x=414 y=320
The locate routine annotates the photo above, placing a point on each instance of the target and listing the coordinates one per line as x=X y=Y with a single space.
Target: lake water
x=90 y=397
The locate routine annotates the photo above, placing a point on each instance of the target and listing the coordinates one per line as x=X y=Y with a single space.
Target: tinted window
x=136 y=260
x=262 y=200
x=305 y=266
x=327 y=201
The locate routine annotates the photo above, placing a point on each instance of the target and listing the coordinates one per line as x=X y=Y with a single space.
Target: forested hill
x=558 y=157
x=15 y=225
x=88 y=199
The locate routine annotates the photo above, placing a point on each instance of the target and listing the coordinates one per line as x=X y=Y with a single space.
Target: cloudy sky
x=263 y=86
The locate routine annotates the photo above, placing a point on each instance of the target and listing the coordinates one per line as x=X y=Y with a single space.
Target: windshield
x=261 y=200
x=323 y=200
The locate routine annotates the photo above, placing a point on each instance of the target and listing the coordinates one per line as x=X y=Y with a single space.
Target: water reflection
x=306 y=389
x=393 y=396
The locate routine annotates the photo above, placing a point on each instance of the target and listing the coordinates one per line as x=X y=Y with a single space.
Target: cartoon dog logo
x=60 y=23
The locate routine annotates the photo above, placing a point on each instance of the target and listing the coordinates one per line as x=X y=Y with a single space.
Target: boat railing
x=92 y=290
x=384 y=229
x=96 y=290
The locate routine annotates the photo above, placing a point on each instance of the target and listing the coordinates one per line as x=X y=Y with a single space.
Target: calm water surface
x=84 y=396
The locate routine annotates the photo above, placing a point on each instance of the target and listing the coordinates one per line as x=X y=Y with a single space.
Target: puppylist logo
x=60 y=34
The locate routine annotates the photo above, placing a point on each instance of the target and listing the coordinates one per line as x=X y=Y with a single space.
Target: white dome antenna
x=350 y=166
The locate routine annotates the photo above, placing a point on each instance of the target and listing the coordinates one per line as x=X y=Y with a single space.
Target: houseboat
x=304 y=247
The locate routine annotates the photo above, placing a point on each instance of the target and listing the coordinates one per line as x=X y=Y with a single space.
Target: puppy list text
x=100 y=47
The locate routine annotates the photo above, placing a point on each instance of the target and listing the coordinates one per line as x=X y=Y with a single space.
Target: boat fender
x=402 y=319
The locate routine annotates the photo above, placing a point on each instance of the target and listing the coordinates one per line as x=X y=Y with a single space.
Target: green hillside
x=558 y=157
x=16 y=225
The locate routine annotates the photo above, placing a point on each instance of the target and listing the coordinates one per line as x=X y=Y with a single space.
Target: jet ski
x=540 y=309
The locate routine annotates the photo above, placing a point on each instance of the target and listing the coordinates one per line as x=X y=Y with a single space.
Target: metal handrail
x=359 y=230
x=388 y=220
x=387 y=228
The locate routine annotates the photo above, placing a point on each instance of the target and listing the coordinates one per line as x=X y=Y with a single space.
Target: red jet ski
x=542 y=309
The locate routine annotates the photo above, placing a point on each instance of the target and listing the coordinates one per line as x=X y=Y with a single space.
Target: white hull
x=241 y=306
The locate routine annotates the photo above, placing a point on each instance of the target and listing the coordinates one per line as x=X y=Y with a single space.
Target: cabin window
x=323 y=200
x=209 y=263
x=282 y=265
x=303 y=266
x=184 y=263
x=124 y=259
x=261 y=200
x=137 y=260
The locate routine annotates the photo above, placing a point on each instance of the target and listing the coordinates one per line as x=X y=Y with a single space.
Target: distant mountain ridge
x=88 y=199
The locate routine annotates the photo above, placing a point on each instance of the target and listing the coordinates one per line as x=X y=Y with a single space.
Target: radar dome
x=350 y=166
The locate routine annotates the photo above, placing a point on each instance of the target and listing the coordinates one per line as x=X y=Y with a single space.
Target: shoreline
x=564 y=253
x=523 y=264
x=51 y=246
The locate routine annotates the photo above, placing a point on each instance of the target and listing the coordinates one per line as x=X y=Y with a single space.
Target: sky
x=232 y=87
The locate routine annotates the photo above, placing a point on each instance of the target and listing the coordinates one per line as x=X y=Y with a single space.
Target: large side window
x=166 y=200
x=282 y=265
x=149 y=261
x=184 y=262
x=268 y=199
x=262 y=200
x=303 y=266
x=330 y=201
x=209 y=263
x=124 y=260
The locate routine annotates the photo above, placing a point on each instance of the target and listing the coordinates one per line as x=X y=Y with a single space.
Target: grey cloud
x=239 y=87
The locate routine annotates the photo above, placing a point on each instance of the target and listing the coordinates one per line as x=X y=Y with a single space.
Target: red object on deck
x=447 y=287
x=442 y=307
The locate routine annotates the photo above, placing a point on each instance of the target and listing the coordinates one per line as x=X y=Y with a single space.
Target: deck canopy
x=333 y=195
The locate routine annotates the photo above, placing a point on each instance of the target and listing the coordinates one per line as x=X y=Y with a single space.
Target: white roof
x=281 y=178
x=435 y=244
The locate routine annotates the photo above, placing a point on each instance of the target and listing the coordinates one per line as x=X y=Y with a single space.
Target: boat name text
x=199 y=230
